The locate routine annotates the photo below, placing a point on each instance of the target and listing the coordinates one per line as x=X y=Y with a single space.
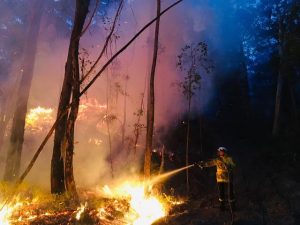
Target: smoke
x=189 y=22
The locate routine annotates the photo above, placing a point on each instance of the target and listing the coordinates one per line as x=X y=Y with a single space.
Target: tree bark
x=68 y=168
x=13 y=161
x=151 y=101
x=62 y=178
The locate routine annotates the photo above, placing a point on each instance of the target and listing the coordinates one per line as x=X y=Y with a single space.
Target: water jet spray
x=166 y=175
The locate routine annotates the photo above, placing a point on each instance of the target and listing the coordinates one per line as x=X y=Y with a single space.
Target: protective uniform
x=224 y=165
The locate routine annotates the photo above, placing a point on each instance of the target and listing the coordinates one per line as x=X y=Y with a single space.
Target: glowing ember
x=39 y=118
x=144 y=208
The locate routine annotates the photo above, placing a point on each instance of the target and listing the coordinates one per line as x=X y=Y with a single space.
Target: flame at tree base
x=145 y=208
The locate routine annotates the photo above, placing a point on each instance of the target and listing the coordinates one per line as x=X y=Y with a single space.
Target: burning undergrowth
x=131 y=203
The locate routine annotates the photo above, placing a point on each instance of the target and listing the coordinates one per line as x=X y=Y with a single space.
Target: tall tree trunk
x=294 y=109
x=162 y=160
x=280 y=81
x=244 y=86
x=7 y=105
x=151 y=101
x=68 y=168
x=138 y=126
x=187 y=147
x=18 y=127
x=108 y=91
x=124 y=110
x=62 y=157
x=276 y=122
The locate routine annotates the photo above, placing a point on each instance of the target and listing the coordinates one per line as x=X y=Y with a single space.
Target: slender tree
x=62 y=178
x=126 y=78
x=151 y=100
x=280 y=80
x=11 y=48
x=192 y=59
x=13 y=160
x=288 y=57
x=138 y=126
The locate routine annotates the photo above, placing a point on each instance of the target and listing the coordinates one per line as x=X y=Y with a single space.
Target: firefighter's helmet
x=223 y=149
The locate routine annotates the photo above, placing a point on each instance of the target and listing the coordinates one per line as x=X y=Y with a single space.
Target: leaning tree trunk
x=151 y=101
x=61 y=177
x=13 y=160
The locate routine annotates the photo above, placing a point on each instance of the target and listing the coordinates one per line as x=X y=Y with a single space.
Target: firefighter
x=224 y=165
